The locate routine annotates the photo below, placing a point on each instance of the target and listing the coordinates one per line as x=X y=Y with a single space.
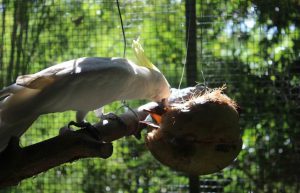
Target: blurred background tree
x=252 y=46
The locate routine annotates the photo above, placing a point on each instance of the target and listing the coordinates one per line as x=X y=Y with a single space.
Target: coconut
x=197 y=135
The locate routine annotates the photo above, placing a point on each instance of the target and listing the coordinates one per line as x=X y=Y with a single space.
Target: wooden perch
x=18 y=163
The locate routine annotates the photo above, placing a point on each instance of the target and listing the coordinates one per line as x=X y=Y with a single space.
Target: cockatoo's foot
x=89 y=127
x=82 y=124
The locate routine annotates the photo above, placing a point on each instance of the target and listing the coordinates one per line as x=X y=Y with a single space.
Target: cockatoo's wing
x=48 y=76
x=35 y=82
x=6 y=92
x=52 y=74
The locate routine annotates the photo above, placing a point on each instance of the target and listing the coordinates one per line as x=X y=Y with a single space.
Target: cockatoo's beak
x=155 y=116
x=157 y=112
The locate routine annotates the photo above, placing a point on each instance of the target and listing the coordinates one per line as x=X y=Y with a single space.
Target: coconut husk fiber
x=197 y=134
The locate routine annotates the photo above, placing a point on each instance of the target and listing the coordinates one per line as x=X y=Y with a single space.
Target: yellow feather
x=141 y=57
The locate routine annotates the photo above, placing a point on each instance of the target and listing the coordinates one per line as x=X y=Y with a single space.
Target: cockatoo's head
x=161 y=89
x=158 y=84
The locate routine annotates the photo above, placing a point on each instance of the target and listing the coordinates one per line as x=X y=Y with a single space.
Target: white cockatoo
x=82 y=85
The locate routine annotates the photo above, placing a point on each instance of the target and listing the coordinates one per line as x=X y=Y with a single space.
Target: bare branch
x=18 y=163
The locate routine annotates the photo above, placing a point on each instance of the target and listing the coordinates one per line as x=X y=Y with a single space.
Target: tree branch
x=18 y=163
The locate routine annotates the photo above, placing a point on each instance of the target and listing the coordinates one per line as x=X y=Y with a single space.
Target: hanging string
x=124 y=103
x=201 y=47
x=123 y=31
x=187 y=49
x=124 y=37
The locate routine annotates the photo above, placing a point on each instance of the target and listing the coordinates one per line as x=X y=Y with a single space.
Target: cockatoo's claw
x=89 y=127
x=82 y=124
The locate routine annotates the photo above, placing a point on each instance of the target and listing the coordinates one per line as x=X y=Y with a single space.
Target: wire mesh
x=251 y=46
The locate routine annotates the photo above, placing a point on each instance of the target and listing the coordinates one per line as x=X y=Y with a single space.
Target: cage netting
x=251 y=46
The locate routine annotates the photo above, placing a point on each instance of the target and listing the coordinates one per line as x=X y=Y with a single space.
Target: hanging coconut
x=197 y=134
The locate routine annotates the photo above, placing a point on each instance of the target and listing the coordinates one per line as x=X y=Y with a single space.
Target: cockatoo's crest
x=141 y=57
